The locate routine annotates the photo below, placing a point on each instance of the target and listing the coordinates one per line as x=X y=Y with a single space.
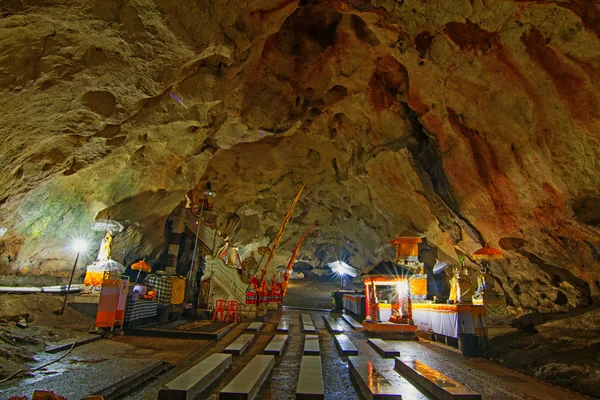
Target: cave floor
x=95 y=366
x=486 y=377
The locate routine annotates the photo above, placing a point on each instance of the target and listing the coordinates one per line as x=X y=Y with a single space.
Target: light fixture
x=342 y=268
x=402 y=288
x=80 y=245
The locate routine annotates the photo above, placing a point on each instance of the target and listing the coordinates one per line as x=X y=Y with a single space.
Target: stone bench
x=433 y=381
x=333 y=326
x=306 y=319
x=310 y=381
x=255 y=326
x=369 y=380
x=345 y=346
x=284 y=326
x=352 y=322
x=276 y=344
x=195 y=380
x=240 y=344
x=311 y=345
x=383 y=348
x=310 y=329
x=307 y=324
x=247 y=383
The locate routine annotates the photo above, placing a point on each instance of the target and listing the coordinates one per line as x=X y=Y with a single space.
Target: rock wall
x=473 y=122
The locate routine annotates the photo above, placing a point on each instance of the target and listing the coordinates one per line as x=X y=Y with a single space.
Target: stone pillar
x=373 y=303
x=177 y=228
x=367 y=303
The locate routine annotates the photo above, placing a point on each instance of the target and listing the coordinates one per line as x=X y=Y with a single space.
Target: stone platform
x=388 y=330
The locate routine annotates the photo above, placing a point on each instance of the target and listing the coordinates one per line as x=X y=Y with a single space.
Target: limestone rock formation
x=472 y=122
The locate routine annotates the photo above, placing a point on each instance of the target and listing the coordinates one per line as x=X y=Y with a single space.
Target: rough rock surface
x=473 y=122
x=22 y=346
x=563 y=350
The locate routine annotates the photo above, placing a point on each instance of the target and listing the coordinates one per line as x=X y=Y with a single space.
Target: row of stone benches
x=311 y=345
x=308 y=325
x=363 y=373
x=335 y=326
x=374 y=385
x=240 y=344
x=246 y=384
x=371 y=383
x=347 y=348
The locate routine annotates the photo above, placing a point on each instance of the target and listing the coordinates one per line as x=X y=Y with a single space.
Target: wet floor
x=96 y=365
x=92 y=368
x=483 y=376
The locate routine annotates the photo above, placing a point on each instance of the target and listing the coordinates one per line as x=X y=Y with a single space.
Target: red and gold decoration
x=290 y=266
x=278 y=237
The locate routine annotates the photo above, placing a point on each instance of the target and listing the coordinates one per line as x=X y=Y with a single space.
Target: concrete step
x=352 y=322
x=342 y=323
x=276 y=345
x=69 y=343
x=333 y=326
x=310 y=381
x=371 y=383
x=247 y=383
x=434 y=382
x=284 y=326
x=255 y=326
x=310 y=329
x=383 y=348
x=195 y=380
x=127 y=380
x=240 y=344
x=311 y=345
x=345 y=346
x=307 y=323
x=306 y=319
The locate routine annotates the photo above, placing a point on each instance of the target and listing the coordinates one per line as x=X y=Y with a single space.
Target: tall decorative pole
x=80 y=246
x=278 y=237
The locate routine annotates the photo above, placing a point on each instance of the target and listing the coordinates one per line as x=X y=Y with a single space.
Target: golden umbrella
x=488 y=253
x=141 y=266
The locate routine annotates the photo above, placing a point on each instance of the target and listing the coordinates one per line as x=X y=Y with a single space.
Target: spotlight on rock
x=342 y=268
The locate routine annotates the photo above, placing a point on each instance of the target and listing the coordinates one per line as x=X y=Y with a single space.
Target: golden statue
x=455 y=294
x=104 y=252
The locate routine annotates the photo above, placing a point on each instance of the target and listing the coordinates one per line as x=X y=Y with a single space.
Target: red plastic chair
x=219 y=310
x=232 y=310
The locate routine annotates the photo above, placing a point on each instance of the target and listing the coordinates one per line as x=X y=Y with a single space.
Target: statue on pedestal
x=486 y=294
x=104 y=263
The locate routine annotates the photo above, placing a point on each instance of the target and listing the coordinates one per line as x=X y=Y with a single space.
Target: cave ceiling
x=473 y=122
